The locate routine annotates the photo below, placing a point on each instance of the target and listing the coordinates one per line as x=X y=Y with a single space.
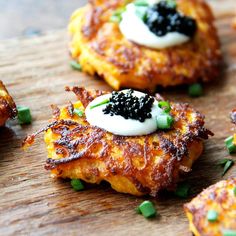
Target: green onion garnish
x=100 y=104
x=75 y=65
x=147 y=209
x=227 y=166
x=165 y=106
x=141 y=12
x=171 y=3
x=212 y=216
x=226 y=163
x=195 y=90
x=141 y=3
x=229 y=232
x=231 y=147
x=117 y=15
x=77 y=184
x=182 y=190
x=24 y=115
x=78 y=112
x=164 y=121
x=234 y=191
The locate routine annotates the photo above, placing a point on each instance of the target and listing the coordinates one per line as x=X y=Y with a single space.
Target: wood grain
x=31 y=203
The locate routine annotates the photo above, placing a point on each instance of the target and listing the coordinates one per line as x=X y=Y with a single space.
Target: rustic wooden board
x=31 y=203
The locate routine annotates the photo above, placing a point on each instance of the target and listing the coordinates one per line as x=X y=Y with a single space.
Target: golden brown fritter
x=99 y=46
x=220 y=198
x=7 y=106
x=136 y=165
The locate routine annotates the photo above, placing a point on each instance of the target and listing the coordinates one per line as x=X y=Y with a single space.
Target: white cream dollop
x=117 y=124
x=134 y=29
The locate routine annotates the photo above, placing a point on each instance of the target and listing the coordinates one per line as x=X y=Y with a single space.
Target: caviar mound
x=101 y=49
x=7 y=106
x=219 y=197
x=135 y=165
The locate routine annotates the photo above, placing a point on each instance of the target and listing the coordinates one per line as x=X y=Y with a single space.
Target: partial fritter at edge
x=99 y=46
x=7 y=105
x=135 y=165
x=213 y=212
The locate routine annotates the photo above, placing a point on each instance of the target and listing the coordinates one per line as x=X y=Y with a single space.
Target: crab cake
x=104 y=45
x=7 y=106
x=213 y=212
x=132 y=163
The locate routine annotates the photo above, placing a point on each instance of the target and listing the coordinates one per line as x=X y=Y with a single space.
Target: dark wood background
x=35 y=71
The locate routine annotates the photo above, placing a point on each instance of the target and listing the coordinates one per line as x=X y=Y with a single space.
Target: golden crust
x=219 y=197
x=98 y=45
x=135 y=165
x=7 y=106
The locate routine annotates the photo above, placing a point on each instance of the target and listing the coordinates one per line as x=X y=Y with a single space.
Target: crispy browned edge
x=189 y=207
x=85 y=96
x=8 y=105
x=213 y=58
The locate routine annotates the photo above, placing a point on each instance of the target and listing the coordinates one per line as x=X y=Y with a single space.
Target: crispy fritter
x=7 y=106
x=99 y=46
x=220 y=198
x=136 y=165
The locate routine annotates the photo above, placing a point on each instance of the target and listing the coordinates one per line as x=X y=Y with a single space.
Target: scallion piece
x=234 y=191
x=182 y=190
x=141 y=12
x=147 y=209
x=229 y=142
x=227 y=166
x=78 y=112
x=100 y=104
x=164 y=121
x=117 y=15
x=229 y=232
x=171 y=3
x=141 y=3
x=77 y=184
x=212 y=216
x=165 y=106
x=24 y=115
x=195 y=90
x=75 y=65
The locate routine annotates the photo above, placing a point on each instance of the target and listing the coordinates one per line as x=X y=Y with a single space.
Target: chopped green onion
x=164 y=121
x=171 y=3
x=141 y=12
x=24 y=115
x=229 y=232
x=182 y=190
x=78 y=112
x=212 y=216
x=234 y=191
x=75 y=65
x=231 y=147
x=117 y=15
x=227 y=166
x=141 y=3
x=147 y=209
x=77 y=184
x=100 y=104
x=195 y=90
x=165 y=105
x=223 y=161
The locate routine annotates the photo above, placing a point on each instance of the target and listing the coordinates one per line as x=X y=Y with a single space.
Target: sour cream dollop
x=117 y=124
x=134 y=29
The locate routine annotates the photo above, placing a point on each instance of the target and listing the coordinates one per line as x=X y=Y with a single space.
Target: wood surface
x=31 y=203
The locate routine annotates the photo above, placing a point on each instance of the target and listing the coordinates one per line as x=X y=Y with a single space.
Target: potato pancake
x=136 y=165
x=98 y=45
x=7 y=106
x=213 y=212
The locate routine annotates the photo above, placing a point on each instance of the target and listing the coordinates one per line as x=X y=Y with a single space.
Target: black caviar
x=162 y=18
x=129 y=106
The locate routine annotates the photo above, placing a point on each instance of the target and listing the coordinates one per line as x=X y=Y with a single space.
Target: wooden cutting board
x=31 y=203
